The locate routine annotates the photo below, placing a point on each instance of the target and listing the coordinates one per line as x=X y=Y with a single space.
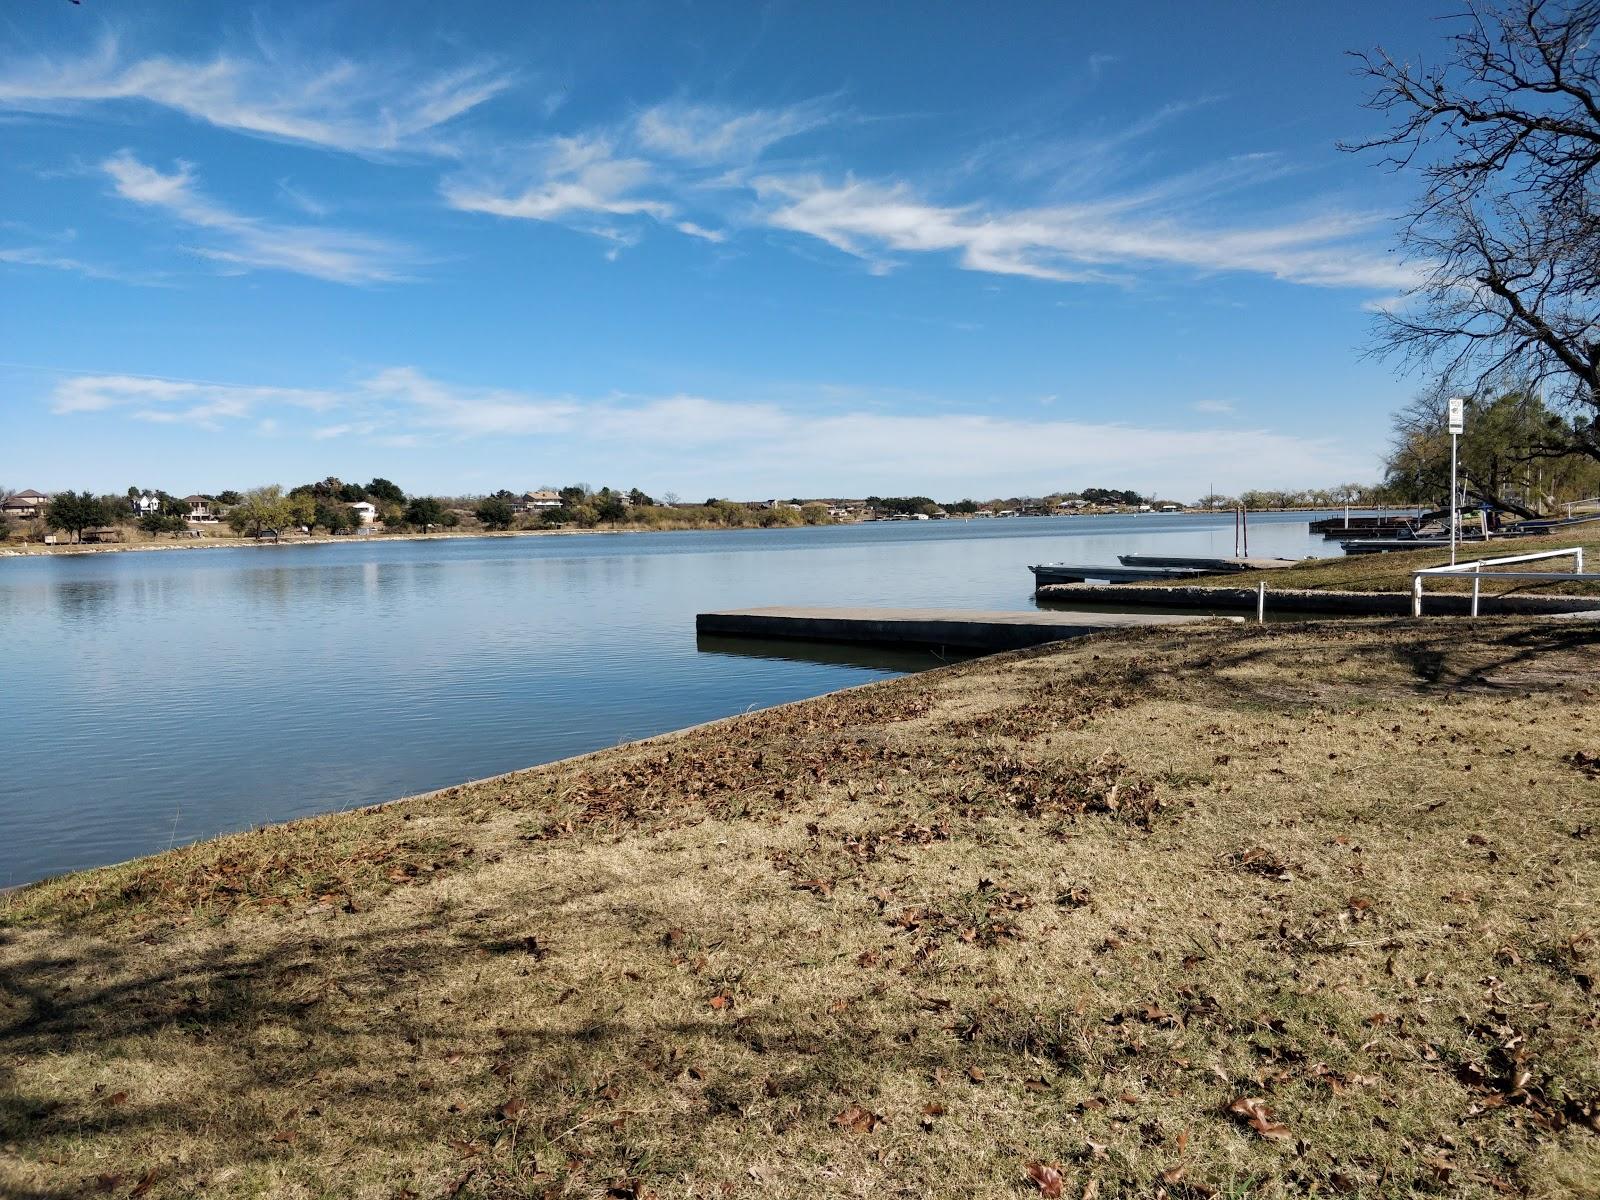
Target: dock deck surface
x=1204 y=563
x=965 y=629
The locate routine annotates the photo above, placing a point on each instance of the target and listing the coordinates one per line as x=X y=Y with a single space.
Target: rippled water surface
x=155 y=698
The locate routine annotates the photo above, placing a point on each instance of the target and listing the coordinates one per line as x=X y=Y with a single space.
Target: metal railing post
x=1574 y=552
x=1261 y=603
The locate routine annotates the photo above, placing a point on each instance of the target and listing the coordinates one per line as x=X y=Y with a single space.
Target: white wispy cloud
x=566 y=177
x=701 y=232
x=750 y=448
x=180 y=401
x=666 y=158
x=303 y=200
x=1213 y=407
x=1094 y=208
x=337 y=255
x=676 y=162
x=1099 y=61
x=714 y=134
x=51 y=259
x=1094 y=242
x=405 y=398
x=364 y=107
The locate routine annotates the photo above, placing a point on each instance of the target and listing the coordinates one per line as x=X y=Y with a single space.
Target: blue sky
x=730 y=249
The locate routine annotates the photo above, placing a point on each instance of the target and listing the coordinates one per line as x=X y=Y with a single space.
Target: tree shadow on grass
x=1265 y=667
x=294 y=1061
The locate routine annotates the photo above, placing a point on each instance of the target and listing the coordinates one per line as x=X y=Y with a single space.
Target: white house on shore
x=367 y=511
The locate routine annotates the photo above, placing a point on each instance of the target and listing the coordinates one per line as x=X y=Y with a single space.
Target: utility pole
x=1458 y=423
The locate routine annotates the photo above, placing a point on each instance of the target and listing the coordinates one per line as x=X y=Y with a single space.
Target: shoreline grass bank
x=1219 y=910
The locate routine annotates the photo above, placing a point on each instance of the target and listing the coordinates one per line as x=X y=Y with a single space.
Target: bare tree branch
x=1505 y=232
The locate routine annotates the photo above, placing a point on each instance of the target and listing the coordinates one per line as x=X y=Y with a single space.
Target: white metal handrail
x=1476 y=569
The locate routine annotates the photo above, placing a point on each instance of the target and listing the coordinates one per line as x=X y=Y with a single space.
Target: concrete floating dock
x=1201 y=563
x=956 y=628
x=1045 y=574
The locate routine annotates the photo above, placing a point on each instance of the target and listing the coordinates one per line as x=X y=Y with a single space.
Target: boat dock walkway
x=1196 y=562
x=956 y=628
x=1046 y=573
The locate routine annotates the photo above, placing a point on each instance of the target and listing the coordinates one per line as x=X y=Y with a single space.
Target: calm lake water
x=156 y=698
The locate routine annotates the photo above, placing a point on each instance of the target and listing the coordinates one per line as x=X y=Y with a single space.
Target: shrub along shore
x=1191 y=911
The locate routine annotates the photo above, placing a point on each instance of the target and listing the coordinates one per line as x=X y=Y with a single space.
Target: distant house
x=145 y=503
x=25 y=504
x=367 y=511
x=540 y=499
x=201 y=509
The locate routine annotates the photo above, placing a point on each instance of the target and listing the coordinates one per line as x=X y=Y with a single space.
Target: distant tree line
x=1515 y=453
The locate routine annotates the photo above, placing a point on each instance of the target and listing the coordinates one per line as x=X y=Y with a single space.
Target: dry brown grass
x=1238 y=911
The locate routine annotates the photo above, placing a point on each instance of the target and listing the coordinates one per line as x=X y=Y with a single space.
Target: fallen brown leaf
x=1259 y=1117
x=1046 y=1177
x=856 y=1119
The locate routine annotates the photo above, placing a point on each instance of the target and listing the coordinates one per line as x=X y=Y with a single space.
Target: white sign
x=1458 y=414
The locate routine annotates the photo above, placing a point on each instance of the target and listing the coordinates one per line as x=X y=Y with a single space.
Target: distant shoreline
x=37 y=550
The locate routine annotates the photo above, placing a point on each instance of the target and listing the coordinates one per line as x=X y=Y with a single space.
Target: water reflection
x=79 y=600
x=879 y=658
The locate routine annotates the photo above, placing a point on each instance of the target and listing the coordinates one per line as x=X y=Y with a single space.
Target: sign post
x=1458 y=422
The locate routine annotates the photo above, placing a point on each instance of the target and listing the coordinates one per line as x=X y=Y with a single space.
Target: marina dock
x=962 y=629
x=1196 y=562
x=1047 y=573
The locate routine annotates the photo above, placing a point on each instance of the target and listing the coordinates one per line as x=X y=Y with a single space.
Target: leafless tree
x=1505 y=233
